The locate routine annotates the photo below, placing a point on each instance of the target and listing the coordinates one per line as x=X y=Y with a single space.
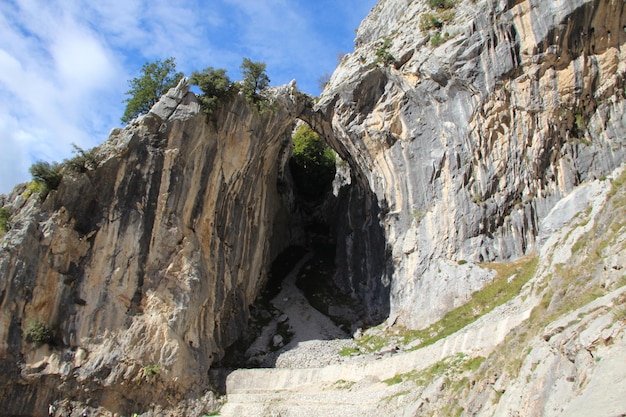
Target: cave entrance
x=333 y=277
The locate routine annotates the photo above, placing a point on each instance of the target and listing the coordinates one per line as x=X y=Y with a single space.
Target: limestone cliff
x=143 y=269
x=469 y=123
x=462 y=126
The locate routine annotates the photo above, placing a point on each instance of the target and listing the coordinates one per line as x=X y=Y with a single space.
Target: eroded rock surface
x=145 y=270
x=468 y=134
x=460 y=139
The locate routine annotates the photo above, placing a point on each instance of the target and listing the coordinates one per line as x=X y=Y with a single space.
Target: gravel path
x=315 y=341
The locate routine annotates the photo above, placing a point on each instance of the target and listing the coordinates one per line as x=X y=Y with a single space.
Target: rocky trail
x=316 y=380
x=360 y=385
x=299 y=335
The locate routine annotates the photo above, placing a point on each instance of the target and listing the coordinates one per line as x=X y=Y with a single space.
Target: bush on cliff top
x=215 y=85
x=156 y=79
x=46 y=176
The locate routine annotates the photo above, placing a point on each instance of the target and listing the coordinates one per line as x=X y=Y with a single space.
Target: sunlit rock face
x=457 y=140
x=472 y=132
x=143 y=269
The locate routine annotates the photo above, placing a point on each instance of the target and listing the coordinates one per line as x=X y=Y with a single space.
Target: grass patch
x=389 y=398
x=453 y=367
x=343 y=384
x=510 y=278
x=348 y=351
x=152 y=370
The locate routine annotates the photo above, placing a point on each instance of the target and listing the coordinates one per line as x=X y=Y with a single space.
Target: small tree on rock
x=215 y=85
x=156 y=79
x=312 y=163
x=254 y=81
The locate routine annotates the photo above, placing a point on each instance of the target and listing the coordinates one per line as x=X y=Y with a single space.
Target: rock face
x=462 y=129
x=146 y=267
x=468 y=131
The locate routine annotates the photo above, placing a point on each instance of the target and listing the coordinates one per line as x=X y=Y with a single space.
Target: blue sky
x=65 y=64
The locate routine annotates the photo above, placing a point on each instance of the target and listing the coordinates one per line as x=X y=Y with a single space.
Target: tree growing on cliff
x=156 y=78
x=254 y=81
x=215 y=85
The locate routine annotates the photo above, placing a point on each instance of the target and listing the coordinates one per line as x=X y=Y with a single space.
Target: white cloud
x=64 y=64
x=14 y=160
x=82 y=62
x=59 y=77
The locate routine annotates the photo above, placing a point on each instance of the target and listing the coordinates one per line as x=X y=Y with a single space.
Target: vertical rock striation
x=145 y=270
x=461 y=127
x=468 y=131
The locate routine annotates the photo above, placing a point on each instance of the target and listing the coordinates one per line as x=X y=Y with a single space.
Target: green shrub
x=429 y=21
x=38 y=333
x=47 y=176
x=156 y=79
x=34 y=187
x=437 y=38
x=152 y=370
x=446 y=16
x=85 y=160
x=215 y=85
x=579 y=125
x=383 y=56
x=442 y=4
x=255 y=80
x=5 y=216
x=436 y=21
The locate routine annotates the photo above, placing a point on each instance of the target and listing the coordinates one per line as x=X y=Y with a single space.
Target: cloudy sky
x=65 y=64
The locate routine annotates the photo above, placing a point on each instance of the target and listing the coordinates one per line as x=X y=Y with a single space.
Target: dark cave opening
x=340 y=263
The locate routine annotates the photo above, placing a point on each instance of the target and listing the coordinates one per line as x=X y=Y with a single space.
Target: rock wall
x=469 y=132
x=143 y=269
x=460 y=138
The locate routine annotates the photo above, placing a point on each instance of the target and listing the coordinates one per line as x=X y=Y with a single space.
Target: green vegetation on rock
x=152 y=370
x=5 y=216
x=510 y=278
x=441 y=4
x=155 y=80
x=312 y=163
x=46 y=176
x=215 y=85
x=432 y=22
x=83 y=161
x=38 y=333
x=255 y=80
x=451 y=366
x=383 y=56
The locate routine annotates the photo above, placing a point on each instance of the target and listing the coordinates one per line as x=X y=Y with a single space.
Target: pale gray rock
x=468 y=144
x=462 y=151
